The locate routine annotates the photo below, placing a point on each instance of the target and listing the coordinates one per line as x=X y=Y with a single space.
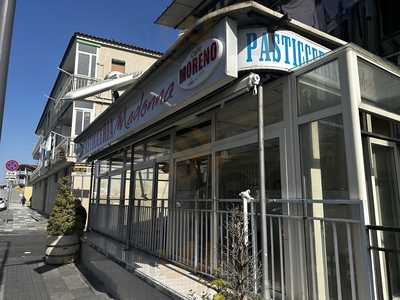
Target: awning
x=101 y=86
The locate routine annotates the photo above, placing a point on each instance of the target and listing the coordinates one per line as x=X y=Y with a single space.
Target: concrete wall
x=133 y=61
x=118 y=282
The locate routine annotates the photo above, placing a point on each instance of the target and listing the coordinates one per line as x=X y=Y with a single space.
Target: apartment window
x=118 y=65
x=82 y=120
x=87 y=59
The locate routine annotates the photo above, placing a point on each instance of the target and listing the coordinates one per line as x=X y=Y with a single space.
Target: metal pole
x=263 y=205
x=7 y=11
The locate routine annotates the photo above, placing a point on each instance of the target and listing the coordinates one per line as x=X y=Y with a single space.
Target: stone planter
x=61 y=249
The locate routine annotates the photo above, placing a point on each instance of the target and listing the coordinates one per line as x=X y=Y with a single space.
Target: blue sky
x=41 y=33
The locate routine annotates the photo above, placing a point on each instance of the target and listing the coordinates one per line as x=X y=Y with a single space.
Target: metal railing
x=36 y=148
x=385 y=258
x=36 y=173
x=64 y=150
x=315 y=248
x=70 y=83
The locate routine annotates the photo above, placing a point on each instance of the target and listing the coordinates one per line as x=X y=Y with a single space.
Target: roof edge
x=296 y=26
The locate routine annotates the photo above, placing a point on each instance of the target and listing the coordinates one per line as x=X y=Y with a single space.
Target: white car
x=3 y=204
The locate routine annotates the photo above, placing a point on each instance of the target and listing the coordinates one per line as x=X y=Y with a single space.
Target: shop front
x=311 y=129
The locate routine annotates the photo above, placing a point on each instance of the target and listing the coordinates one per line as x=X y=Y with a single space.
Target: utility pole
x=7 y=12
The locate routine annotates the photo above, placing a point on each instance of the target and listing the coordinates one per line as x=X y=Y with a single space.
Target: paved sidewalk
x=18 y=217
x=29 y=278
x=23 y=274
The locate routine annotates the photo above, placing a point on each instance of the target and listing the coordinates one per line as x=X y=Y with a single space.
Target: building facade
x=370 y=24
x=86 y=61
x=248 y=99
x=24 y=171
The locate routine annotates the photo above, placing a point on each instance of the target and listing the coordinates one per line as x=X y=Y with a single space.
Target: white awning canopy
x=120 y=83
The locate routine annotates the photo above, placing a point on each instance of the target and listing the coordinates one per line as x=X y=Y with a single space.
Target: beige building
x=86 y=61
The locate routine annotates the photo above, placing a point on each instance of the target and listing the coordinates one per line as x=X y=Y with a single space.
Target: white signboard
x=200 y=63
x=11 y=175
x=204 y=68
x=281 y=50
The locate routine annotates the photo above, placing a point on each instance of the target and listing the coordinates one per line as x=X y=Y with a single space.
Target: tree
x=236 y=279
x=63 y=220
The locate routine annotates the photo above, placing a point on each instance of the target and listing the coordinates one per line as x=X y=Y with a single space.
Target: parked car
x=3 y=204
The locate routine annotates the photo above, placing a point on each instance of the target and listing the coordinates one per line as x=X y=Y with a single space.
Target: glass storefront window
x=319 y=89
x=127 y=186
x=139 y=154
x=158 y=147
x=193 y=181
x=238 y=170
x=117 y=160
x=104 y=167
x=115 y=189
x=94 y=189
x=163 y=184
x=240 y=114
x=378 y=87
x=103 y=190
x=323 y=159
x=144 y=187
x=193 y=136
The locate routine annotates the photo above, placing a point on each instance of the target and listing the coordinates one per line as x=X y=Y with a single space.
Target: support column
x=264 y=232
x=7 y=11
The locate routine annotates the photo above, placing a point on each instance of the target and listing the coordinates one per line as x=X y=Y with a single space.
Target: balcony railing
x=36 y=173
x=64 y=150
x=36 y=148
x=70 y=83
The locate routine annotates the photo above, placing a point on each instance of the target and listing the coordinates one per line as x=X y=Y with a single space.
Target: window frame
x=91 y=55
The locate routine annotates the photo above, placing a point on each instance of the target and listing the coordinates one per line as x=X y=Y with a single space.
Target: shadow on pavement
x=4 y=248
x=45 y=268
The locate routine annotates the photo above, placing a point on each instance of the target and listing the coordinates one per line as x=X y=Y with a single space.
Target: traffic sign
x=12 y=165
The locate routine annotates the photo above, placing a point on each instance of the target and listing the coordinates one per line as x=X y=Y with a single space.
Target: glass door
x=385 y=190
x=192 y=213
x=143 y=207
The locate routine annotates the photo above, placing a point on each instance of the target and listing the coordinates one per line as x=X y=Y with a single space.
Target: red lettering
x=188 y=70
x=200 y=61
x=170 y=90
x=213 y=51
x=144 y=108
x=206 y=54
x=182 y=74
x=194 y=65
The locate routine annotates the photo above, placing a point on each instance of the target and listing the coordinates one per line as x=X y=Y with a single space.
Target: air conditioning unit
x=114 y=75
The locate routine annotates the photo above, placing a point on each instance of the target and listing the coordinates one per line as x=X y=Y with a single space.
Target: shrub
x=63 y=220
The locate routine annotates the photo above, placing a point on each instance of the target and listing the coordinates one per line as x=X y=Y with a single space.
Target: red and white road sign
x=12 y=165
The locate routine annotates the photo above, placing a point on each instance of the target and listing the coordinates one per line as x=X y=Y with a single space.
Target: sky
x=42 y=30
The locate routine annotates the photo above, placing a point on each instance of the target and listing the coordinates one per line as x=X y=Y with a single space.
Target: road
x=23 y=275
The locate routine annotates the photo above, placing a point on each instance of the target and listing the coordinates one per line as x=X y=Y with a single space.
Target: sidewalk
x=29 y=278
x=23 y=274
x=18 y=217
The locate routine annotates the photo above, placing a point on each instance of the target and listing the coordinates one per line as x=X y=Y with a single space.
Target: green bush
x=63 y=220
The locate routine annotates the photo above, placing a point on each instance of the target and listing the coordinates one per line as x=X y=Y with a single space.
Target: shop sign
x=281 y=50
x=204 y=68
x=200 y=63
x=79 y=169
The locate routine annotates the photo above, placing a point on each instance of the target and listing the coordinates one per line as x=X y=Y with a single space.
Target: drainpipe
x=7 y=11
x=258 y=90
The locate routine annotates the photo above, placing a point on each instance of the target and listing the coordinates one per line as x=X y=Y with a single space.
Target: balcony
x=64 y=151
x=35 y=174
x=36 y=148
x=69 y=82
